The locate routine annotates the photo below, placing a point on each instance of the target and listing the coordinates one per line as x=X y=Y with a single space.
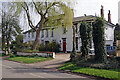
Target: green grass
x=1 y=55
x=111 y=74
x=29 y=59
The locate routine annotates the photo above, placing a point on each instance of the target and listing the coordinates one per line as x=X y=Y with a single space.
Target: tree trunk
x=3 y=39
x=3 y=43
x=8 y=46
x=36 y=39
x=74 y=40
x=72 y=56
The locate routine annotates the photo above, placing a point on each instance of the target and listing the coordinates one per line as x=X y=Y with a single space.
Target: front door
x=64 y=44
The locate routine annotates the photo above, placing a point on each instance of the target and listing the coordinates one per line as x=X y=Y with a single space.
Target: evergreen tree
x=84 y=39
x=89 y=31
x=117 y=32
x=99 y=40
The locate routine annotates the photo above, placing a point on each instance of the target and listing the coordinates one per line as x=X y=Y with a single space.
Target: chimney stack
x=109 y=17
x=102 y=12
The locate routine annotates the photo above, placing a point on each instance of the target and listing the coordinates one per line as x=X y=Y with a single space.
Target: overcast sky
x=90 y=7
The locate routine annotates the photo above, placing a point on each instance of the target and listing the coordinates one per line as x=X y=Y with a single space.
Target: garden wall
x=42 y=54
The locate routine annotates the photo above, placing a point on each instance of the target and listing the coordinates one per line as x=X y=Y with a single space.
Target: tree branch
x=28 y=16
x=54 y=3
x=37 y=9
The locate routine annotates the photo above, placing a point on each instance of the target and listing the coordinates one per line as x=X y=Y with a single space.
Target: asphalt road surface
x=46 y=69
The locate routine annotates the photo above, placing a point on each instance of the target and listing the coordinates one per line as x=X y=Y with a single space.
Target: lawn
x=2 y=54
x=29 y=59
x=111 y=74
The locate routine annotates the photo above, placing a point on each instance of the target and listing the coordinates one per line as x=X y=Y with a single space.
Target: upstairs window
x=46 y=33
x=52 y=33
x=76 y=43
x=64 y=29
x=32 y=34
x=24 y=35
x=76 y=28
x=28 y=34
x=42 y=35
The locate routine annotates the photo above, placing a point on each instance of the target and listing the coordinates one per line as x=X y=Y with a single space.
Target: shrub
x=111 y=63
x=41 y=47
x=99 y=40
x=52 y=46
x=118 y=59
x=11 y=54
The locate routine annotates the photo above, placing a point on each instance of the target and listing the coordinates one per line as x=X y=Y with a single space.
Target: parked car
x=109 y=49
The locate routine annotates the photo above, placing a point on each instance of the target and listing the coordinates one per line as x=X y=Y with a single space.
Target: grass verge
x=110 y=74
x=29 y=59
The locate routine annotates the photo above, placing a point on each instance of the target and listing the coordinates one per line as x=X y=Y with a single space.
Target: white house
x=64 y=36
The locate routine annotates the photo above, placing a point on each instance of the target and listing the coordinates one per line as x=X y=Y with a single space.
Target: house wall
x=109 y=34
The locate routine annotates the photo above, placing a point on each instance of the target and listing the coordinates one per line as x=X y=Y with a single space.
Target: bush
x=11 y=54
x=111 y=63
x=41 y=47
x=52 y=46
x=118 y=59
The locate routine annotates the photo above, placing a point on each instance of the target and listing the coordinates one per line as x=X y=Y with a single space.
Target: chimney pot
x=109 y=17
x=102 y=11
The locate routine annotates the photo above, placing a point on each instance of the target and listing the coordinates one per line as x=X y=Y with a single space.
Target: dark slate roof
x=89 y=18
x=84 y=18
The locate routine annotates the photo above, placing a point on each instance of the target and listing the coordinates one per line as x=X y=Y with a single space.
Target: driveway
x=46 y=69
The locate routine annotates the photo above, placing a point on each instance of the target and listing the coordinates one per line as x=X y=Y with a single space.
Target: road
x=46 y=69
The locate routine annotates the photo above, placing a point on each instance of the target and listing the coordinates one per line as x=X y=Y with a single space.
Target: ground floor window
x=46 y=42
x=76 y=43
